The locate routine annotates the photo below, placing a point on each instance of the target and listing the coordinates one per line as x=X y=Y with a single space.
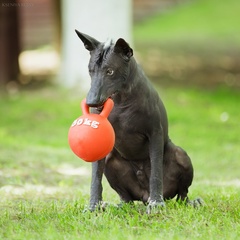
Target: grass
x=65 y=220
x=44 y=188
x=208 y=24
x=196 y=42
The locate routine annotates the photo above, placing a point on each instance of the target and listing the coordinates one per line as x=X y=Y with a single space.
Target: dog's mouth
x=112 y=95
x=100 y=107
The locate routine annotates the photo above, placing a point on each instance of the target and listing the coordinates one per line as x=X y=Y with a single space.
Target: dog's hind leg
x=178 y=172
x=129 y=182
x=186 y=173
x=186 y=178
x=178 y=175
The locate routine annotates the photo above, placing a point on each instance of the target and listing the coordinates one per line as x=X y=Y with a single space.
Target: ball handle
x=107 y=107
x=84 y=106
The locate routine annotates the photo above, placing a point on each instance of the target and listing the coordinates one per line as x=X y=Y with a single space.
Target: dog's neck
x=133 y=66
x=136 y=76
x=136 y=85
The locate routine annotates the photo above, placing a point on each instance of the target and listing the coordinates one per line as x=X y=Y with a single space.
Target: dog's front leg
x=96 y=184
x=156 y=146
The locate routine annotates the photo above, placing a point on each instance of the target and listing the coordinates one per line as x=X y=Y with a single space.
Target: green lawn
x=44 y=187
x=208 y=24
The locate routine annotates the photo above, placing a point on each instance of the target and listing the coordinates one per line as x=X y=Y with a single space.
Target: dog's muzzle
x=97 y=102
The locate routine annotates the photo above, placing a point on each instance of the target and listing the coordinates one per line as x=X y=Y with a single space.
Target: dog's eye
x=110 y=71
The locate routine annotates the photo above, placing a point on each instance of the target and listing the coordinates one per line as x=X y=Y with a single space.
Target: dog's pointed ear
x=89 y=42
x=123 y=48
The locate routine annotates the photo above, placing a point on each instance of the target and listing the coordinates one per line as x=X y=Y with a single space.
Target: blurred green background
x=194 y=43
x=190 y=50
x=186 y=42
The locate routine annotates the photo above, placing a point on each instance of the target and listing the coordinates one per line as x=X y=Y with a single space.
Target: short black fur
x=144 y=165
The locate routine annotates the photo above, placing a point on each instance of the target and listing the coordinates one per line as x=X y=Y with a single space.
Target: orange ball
x=91 y=136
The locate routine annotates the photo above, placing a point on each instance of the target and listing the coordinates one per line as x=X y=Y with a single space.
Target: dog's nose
x=93 y=100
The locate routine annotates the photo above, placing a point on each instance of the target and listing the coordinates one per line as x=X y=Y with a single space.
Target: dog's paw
x=100 y=206
x=90 y=208
x=155 y=207
x=198 y=202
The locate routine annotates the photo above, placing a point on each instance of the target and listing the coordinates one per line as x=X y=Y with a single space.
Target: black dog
x=144 y=164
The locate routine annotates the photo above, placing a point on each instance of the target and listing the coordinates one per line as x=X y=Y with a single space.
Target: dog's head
x=108 y=68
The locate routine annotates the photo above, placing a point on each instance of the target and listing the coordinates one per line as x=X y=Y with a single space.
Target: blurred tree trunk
x=9 y=42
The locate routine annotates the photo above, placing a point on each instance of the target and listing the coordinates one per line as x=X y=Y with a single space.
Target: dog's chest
x=130 y=131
